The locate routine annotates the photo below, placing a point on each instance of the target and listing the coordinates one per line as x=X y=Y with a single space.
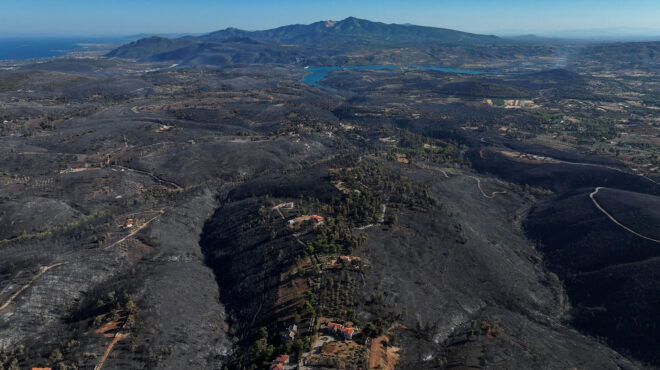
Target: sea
x=45 y=47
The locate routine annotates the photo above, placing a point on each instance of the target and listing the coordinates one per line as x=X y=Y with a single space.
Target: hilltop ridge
x=354 y=29
x=297 y=39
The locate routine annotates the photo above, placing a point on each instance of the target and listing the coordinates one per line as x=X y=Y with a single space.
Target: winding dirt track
x=492 y=195
x=427 y=167
x=27 y=285
x=593 y=199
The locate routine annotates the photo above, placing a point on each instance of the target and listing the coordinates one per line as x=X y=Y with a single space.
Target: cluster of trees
x=375 y=328
x=67 y=355
x=651 y=98
x=367 y=185
x=262 y=352
x=588 y=131
x=101 y=306
x=375 y=185
x=421 y=148
x=484 y=89
x=594 y=129
x=113 y=306
x=337 y=297
x=336 y=236
x=11 y=359
x=11 y=82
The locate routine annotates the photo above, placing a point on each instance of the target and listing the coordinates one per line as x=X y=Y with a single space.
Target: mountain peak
x=348 y=32
x=354 y=20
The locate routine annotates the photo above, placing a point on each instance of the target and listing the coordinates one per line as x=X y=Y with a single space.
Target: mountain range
x=353 y=30
x=349 y=33
x=354 y=41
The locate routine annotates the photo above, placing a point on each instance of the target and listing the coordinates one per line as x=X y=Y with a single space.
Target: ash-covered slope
x=610 y=269
x=457 y=281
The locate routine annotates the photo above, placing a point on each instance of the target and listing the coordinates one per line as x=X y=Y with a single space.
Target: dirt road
x=136 y=230
x=593 y=199
x=117 y=338
x=492 y=195
x=27 y=285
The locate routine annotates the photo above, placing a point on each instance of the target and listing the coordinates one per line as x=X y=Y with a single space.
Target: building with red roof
x=334 y=327
x=282 y=359
x=348 y=332
x=338 y=329
x=317 y=218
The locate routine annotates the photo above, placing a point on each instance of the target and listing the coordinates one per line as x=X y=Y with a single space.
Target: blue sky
x=122 y=17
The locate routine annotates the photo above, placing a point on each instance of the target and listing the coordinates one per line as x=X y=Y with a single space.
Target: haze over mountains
x=350 y=32
x=355 y=41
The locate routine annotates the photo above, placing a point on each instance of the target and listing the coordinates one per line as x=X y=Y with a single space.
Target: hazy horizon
x=604 y=34
x=574 y=19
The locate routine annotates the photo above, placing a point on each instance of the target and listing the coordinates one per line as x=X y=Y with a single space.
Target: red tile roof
x=282 y=359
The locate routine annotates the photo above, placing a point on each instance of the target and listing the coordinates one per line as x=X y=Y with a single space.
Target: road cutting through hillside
x=610 y=168
x=556 y=161
x=593 y=199
x=27 y=285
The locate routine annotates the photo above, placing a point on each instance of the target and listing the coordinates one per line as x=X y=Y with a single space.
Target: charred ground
x=479 y=221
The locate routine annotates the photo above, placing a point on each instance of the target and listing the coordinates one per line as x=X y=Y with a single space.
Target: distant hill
x=360 y=41
x=355 y=30
x=292 y=41
x=626 y=54
x=148 y=46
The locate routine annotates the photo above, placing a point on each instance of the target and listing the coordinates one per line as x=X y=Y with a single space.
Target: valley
x=208 y=202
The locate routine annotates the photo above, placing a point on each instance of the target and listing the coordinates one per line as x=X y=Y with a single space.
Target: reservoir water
x=316 y=74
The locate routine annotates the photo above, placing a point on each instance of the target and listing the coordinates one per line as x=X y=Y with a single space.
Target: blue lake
x=316 y=74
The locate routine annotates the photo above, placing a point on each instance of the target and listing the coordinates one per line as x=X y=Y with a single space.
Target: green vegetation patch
x=652 y=99
x=483 y=89
x=71 y=81
x=12 y=82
